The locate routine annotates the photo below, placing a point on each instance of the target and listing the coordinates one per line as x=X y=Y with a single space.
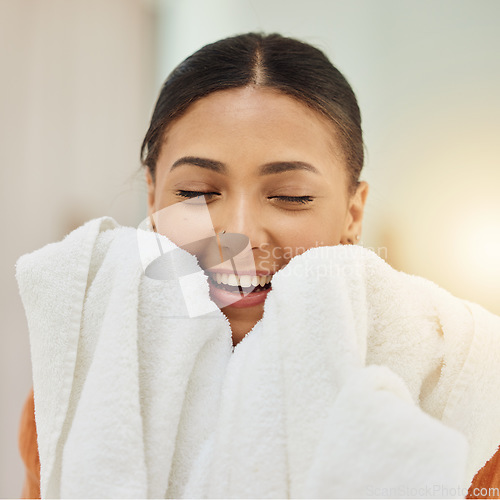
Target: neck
x=242 y=320
x=240 y=328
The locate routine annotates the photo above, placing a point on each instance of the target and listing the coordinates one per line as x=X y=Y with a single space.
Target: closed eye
x=294 y=199
x=210 y=194
x=195 y=194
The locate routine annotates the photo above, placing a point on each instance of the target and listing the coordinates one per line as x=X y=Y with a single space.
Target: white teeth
x=245 y=280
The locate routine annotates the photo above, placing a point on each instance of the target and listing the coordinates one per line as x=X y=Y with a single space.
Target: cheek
x=295 y=235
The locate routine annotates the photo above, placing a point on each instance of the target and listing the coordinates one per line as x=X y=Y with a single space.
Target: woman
x=265 y=134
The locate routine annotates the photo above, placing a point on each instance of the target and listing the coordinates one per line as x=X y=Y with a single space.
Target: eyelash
x=295 y=199
x=291 y=199
x=194 y=194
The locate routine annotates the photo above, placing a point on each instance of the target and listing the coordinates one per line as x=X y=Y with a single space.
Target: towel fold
x=359 y=381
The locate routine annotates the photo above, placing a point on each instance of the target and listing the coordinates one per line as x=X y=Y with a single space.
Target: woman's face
x=275 y=172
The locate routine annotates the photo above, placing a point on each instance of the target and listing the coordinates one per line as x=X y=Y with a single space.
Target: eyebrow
x=275 y=167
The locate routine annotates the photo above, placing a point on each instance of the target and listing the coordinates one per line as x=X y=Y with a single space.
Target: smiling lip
x=224 y=298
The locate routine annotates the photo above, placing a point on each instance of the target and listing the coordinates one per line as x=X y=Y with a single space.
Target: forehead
x=256 y=125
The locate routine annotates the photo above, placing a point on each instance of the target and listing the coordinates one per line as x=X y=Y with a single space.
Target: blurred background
x=79 y=79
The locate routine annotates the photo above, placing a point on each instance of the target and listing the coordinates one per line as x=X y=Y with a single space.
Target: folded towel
x=359 y=381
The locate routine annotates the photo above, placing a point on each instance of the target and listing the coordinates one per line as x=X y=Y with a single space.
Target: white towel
x=359 y=381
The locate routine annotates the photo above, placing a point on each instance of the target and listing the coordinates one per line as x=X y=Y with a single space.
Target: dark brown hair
x=272 y=61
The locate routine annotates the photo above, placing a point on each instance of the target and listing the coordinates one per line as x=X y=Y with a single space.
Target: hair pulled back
x=272 y=61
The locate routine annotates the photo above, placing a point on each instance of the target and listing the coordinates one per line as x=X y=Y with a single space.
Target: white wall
x=427 y=74
x=76 y=90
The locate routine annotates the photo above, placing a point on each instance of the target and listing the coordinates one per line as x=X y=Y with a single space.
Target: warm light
x=475 y=253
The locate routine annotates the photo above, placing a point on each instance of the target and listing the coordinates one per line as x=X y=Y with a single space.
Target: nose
x=242 y=215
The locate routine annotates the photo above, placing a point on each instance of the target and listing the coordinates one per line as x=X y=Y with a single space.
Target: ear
x=354 y=216
x=151 y=192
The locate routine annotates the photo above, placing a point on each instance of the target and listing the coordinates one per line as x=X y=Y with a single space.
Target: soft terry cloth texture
x=359 y=381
